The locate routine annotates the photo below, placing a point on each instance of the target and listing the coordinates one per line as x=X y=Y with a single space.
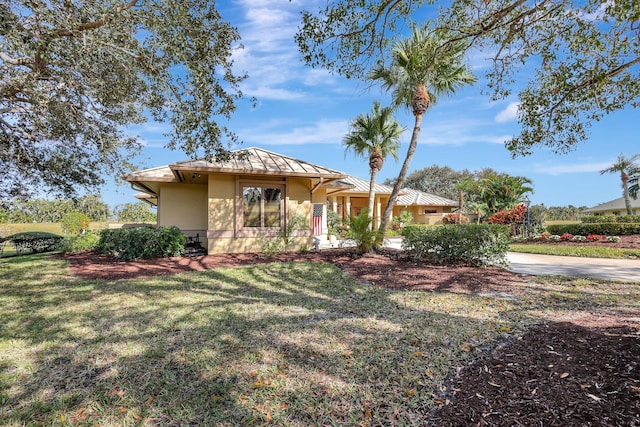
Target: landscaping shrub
x=597 y=219
x=34 y=241
x=454 y=218
x=361 y=233
x=606 y=228
x=80 y=243
x=75 y=223
x=142 y=242
x=476 y=244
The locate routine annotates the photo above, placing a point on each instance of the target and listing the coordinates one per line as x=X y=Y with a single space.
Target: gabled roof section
x=159 y=174
x=411 y=197
x=614 y=205
x=256 y=161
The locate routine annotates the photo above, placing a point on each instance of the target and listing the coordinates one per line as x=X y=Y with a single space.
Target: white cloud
x=570 y=168
x=458 y=132
x=510 y=113
x=321 y=132
x=270 y=56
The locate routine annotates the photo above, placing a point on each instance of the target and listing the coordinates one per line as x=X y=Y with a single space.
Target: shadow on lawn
x=299 y=344
x=290 y=343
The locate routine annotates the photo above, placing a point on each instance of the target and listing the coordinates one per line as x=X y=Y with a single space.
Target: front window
x=262 y=206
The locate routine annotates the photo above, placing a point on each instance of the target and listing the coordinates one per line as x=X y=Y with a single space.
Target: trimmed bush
x=75 y=223
x=597 y=219
x=34 y=241
x=142 y=242
x=475 y=244
x=606 y=228
x=80 y=243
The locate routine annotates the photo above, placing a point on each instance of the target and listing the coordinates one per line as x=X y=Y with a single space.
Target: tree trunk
x=372 y=193
x=401 y=176
x=625 y=193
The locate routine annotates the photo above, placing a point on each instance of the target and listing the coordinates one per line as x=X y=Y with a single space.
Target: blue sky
x=305 y=113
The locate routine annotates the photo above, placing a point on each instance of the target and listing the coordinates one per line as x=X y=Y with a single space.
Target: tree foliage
x=585 y=55
x=74 y=74
x=439 y=180
x=137 y=213
x=44 y=210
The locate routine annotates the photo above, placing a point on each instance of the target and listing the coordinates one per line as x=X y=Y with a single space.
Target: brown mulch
x=583 y=373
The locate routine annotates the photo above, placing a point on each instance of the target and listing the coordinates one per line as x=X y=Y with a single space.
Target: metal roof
x=357 y=185
x=258 y=161
x=411 y=197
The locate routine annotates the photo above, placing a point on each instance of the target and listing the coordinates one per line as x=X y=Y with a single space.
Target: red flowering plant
x=513 y=217
x=566 y=236
x=594 y=237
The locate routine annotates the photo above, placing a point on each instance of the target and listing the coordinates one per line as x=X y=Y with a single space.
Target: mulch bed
x=583 y=373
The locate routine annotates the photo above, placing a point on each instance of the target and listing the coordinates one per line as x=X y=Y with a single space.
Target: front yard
x=285 y=344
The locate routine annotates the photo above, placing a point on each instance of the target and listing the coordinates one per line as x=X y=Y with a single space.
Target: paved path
x=627 y=270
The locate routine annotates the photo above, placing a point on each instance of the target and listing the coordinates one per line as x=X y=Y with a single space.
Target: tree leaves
x=73 y=77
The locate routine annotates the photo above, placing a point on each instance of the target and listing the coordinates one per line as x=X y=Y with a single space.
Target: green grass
x=282 y=344
x=579 y=251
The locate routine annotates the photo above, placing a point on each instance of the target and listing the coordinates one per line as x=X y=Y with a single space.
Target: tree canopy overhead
x=586 y=54
x=73 y=74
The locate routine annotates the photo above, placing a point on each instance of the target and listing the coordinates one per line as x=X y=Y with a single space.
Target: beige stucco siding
x=184 y=206
x=222 y=194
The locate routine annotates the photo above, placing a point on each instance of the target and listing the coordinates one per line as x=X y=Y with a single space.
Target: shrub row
x=80 y=243
x=475 y=244
x=597 y=219
x=34 y=241
x=607 y=228
x=142 y=242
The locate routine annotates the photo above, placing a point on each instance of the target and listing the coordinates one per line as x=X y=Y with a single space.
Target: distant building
x=614 y=207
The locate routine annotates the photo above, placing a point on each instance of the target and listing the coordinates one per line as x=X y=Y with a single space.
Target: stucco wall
x=225 y=234
x=183 y=205
x=221 y=202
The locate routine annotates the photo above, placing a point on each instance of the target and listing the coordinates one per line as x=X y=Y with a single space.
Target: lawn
x=287 y=344
x=579 y=251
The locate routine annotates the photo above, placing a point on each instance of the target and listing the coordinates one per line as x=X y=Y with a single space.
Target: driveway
x=627 y=270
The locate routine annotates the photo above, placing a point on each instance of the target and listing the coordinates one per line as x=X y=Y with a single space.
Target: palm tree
x=503 y=191
x=375 y=135
x=626 y=166
x=425 y=65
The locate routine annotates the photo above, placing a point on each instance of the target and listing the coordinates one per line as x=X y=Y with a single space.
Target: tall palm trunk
x=420 y=104
x=388 y=210
x=625 y=192
x=372 y=193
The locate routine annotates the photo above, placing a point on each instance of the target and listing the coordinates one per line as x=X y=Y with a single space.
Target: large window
x=261 y=206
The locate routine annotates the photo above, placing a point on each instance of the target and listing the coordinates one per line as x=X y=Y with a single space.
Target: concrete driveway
x=627 y=270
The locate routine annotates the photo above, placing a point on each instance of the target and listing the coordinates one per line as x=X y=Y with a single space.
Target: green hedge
x=142 y=242
x=607 y=229
x=33 y=241
x=475 y=244
x=598 y=219
x=81 y=243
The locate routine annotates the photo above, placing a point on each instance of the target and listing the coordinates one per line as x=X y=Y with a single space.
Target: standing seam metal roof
x=258 y=160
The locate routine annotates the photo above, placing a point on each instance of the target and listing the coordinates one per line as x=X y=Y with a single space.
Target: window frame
x=262 y=230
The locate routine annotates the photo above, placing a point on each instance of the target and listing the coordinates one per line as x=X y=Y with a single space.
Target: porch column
x=334 y=200
x=347 y=207
x=378 y=212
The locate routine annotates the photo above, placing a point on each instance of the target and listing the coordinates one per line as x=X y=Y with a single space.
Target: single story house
x=614 y=207
x=232 y=206
x=349 y=196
